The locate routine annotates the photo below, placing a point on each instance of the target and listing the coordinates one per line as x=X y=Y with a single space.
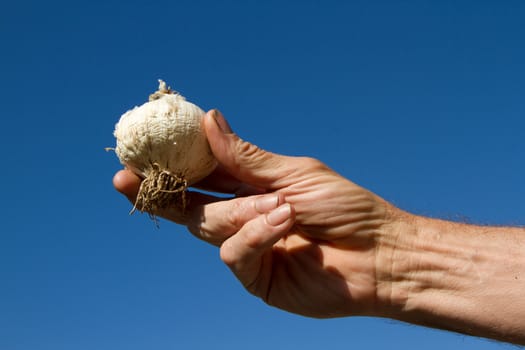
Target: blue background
x=421 y=102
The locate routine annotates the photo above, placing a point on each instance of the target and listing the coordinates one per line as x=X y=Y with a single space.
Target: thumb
x=245 y=161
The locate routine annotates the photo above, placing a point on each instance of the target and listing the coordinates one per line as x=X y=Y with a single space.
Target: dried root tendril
x=161 y=189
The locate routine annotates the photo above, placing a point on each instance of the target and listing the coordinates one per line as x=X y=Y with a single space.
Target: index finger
x=212 y=219
x=216 y=221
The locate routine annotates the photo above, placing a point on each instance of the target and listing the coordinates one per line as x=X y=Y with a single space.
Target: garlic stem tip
x=164 y=88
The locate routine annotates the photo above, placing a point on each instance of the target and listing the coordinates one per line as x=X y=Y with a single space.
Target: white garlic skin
x=166 y=132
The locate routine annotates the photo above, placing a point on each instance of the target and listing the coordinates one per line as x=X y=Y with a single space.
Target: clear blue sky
x=420 y=101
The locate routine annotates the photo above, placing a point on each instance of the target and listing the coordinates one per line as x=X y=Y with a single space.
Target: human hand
x=299 y=236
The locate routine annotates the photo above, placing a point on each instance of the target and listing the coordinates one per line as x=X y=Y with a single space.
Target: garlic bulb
x=163 y=142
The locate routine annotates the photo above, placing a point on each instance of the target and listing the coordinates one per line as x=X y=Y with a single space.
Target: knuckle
x=233 y=216
x=227 y=255
x=246 y=148
x=253 y=238
x=248 y=152
x=313 y=163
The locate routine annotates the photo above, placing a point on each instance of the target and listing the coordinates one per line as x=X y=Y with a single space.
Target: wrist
x=425 y=268
x=452 y=276
x=395 y=245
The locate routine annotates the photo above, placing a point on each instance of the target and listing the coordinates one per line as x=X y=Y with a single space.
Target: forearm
x=464 y=278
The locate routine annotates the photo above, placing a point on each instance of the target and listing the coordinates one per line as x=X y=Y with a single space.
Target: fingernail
x=221 y=122
x=279 y=215
x=266 y=203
